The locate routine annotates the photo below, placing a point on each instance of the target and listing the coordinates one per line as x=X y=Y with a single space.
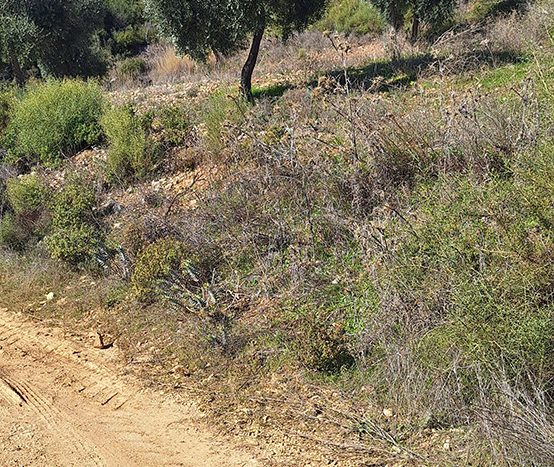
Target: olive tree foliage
x=198 y=27
x=58 y=36
x=68 y=45
x=18 y=36
x=431 y=12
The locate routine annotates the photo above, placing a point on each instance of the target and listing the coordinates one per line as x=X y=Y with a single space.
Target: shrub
x=161 y=268
x=11 y=234
x=6 y=105
x=172 y=125
x=75 y=236
x=78 y=245
x=54 y=120
x=480 y=10
x=132 y=154
x=138 y=234
x=73 y=204
x=26 y=194
x=323 y=345
x=26 y=218
x=473 y=269
x=352 y=17
x=132 y=69
x=131 y=40
x=218 y=112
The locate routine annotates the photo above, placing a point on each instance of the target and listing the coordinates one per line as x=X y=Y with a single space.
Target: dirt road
x=62 y=405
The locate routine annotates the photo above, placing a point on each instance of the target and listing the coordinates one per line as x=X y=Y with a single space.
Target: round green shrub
x=54 y=120
x=352 y=17
x=172 y=125
x=26 y=194
x=11 y=234
x=80 y=245
x=75 y=236
x=73 y=204
x=161 y=266
x=25 y=218
x=132 y=68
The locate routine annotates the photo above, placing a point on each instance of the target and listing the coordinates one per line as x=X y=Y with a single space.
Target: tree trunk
x=415 y=29
x=248 y=68
x=16 y=70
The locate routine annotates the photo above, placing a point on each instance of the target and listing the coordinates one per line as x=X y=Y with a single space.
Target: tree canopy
x=198 y=27
x=58 y=36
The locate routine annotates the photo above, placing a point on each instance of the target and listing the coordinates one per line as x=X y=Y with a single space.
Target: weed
x=161 y=267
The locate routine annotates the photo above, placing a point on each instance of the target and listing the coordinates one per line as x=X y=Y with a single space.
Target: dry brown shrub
x=166 y=66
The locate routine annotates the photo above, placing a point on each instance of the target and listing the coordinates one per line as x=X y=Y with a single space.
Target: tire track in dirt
x=64 y=397
x=54 y=419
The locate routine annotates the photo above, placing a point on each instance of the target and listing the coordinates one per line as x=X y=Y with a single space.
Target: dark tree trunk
x=248 y=68
x=415 y=29
x=16 y=70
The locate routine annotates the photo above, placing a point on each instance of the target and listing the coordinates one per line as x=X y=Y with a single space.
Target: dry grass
x=168 y=67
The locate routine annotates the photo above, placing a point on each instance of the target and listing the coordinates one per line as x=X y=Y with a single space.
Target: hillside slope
x=356 y=270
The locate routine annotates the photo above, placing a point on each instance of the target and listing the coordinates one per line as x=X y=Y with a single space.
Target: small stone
x=50 y=296
x=100 y=342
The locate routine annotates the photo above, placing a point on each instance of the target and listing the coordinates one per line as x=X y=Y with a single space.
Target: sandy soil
x=62 y=404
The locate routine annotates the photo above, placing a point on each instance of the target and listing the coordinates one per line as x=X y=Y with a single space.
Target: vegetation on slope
x=379 y=238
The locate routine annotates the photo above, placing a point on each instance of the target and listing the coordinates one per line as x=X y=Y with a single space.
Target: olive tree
x=55 y=35
x=224 y=26
x=18 y=37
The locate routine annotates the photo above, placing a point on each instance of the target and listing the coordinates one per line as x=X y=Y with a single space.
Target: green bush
x=54 y=120
x=132 y=69
x=26 y=194
x=78 y=245
x=352 y=17
x=160 y=267
x=25 y=218
x=73 y=204
x=7 y=100
x=131 y=40
x=132 y=153
x=172 y=125
x=480 y=10
x=11 y=234
x=323 y=346
x=75 y=237
x=217 y=112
